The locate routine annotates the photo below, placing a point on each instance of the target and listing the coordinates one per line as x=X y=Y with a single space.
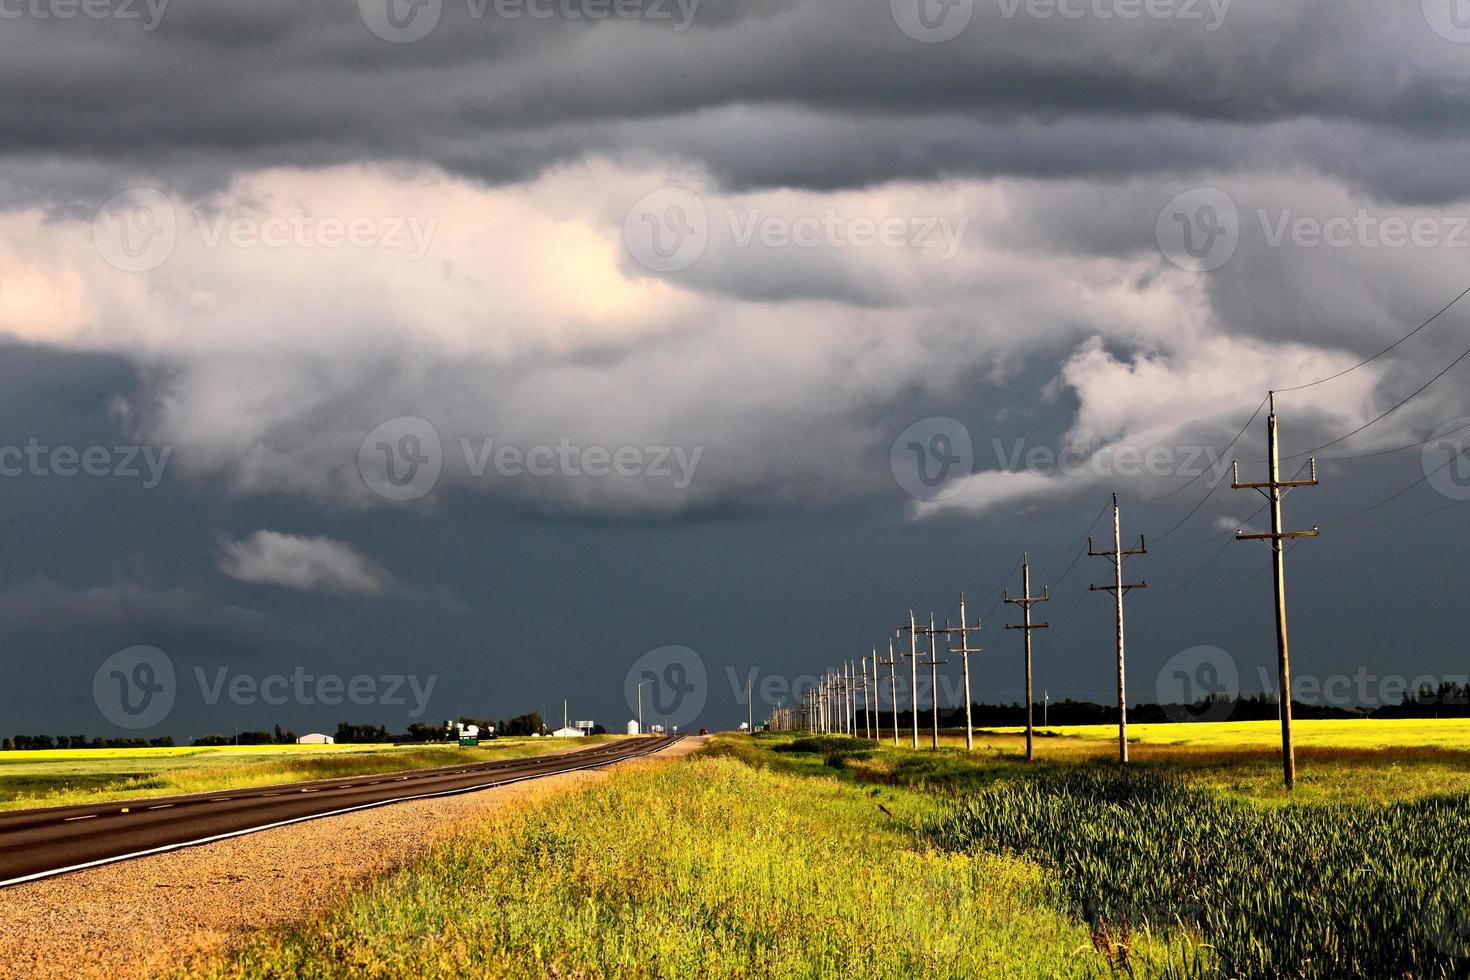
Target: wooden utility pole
x=934 y=662
x=1026 y=601
x=1274 y=490
x=749 y=706
x=1045 y=708
x=851 y=698
x=913 y=655
x=892 y=664
x=877 y=705
x=867 y=701
x=964 y=650
x=1119 y=589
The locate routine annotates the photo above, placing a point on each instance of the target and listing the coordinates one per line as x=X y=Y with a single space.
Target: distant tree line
x=27 y=743
x=521 y=726
x=1448 y=700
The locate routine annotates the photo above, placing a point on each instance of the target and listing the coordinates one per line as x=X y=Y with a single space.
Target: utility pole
x=1026 y=601
x=640 y=707
x=934 y=663
x=1045 y=708
x=851 y=698
x=913 y=655
x=892 y=664
x=749 y=706
x=867 y=701
x=1274 y=490
x=1119 y=589
x=877 y=733
x=964 y=650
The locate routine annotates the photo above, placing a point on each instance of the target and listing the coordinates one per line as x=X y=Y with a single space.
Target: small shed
x=568 y=732
x=316 y=738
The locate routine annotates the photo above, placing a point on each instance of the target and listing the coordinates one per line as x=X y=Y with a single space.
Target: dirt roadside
x=143 y=917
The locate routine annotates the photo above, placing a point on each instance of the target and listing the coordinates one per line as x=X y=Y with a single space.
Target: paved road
x=40 y=843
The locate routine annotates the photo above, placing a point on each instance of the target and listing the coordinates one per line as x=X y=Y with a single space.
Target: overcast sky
x=484 y=352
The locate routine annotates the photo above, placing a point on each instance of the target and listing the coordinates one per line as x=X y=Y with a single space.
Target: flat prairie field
x=60 y=777
x=1352 y=733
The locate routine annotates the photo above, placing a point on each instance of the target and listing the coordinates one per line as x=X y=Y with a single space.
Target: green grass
x=60 y=777
x=707 y=868
x=1403 y=767
x=803 y=857
x=1349 y=733
x=1363 y=870
x=1316 y=890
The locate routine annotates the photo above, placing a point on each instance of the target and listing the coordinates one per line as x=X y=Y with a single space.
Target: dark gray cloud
x=809 y=93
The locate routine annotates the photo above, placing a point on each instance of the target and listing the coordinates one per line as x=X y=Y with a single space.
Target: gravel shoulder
x=151 y=915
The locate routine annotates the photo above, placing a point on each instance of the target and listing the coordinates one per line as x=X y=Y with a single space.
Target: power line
x=1392 y=497
x=1390 y=452
x=1396 y=343
x=1386 y=414
x=1229 y=447
x=1415 y=517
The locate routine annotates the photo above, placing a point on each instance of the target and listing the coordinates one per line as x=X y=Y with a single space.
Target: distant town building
x=316 y=738
x=633 y=728
x=568 y=732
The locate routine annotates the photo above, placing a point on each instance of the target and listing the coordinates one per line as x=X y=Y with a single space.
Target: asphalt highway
x=55 y=840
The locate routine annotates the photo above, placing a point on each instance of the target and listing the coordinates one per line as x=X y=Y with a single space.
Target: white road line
x=87 y=816
x=165 y=848
x=161 y=806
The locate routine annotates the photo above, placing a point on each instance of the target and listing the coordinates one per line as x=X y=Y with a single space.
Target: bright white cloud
x=309 y=564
